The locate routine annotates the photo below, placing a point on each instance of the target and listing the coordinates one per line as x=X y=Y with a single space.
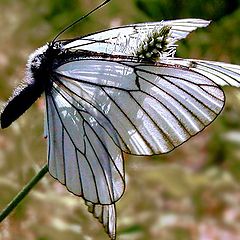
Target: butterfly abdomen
x=19 y=103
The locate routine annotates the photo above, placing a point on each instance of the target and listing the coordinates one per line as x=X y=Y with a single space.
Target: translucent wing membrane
x=220 y=73
x=81 y=153
x=148 y=109
x=123 y=40
x=106 y=214
x=98 y=109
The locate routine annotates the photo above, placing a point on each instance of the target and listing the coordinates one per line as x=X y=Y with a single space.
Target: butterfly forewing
x=149 y=109
x=124 y=40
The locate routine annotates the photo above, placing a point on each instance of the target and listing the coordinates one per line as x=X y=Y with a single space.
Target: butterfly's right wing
x=123 y=40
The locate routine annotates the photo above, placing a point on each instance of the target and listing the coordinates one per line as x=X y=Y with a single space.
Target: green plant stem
x=26 y=189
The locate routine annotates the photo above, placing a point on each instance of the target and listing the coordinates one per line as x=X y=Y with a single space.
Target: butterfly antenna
x=81 y=18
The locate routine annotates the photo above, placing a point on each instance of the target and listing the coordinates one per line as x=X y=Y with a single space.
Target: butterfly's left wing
x=123 y=40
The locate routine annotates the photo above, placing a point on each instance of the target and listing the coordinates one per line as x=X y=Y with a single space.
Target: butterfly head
x=40 y=62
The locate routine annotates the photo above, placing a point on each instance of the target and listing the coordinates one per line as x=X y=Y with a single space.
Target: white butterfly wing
x=124 y=40
x=143 y=109
x=81 y=155
x=106 y=214
x=98 y=108
x=223 y=74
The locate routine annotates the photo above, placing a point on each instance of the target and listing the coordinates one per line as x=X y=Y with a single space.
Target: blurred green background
x=191 y=193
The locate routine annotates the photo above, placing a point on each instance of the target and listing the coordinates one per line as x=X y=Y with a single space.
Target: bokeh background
x=191 y=193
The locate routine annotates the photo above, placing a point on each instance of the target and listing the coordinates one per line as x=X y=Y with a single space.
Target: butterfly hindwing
x=106 y=214
x=223 y=74
x=78 y=153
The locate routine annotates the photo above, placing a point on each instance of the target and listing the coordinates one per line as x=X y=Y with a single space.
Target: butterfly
x=118 y=91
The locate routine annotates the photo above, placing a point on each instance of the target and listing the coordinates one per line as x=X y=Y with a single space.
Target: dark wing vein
x=223 y=73
x=104 y=177
x=86 y=135
x=120 y=109
x=102 y=122
x=220 y=73
x=106 y=214
x=146 y=111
